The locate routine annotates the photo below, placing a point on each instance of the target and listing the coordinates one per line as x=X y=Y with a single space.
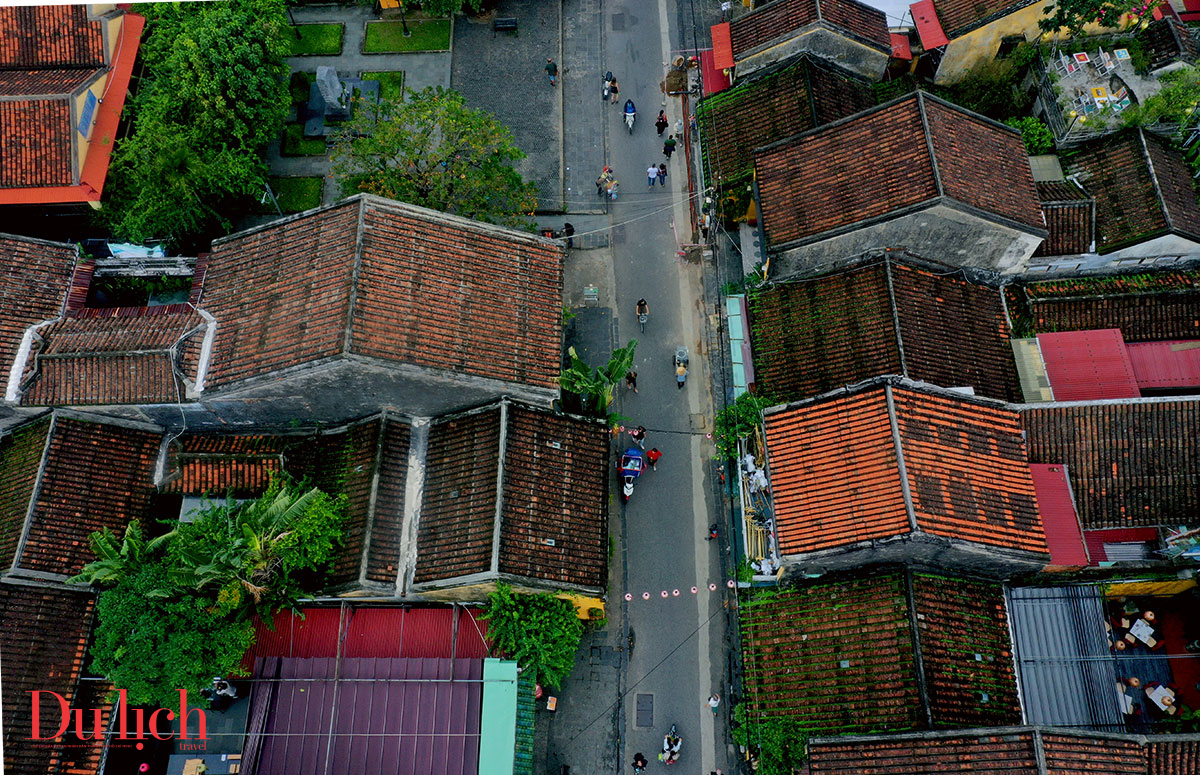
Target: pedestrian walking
x=613 y=91
x=653 y=456
x=651 y=175
x=679 y=127
x=638 y=435
x=606 y=177
x=662 y=123
x=662 y=174
x=569 y=232
x=669 y=146
x=551 y=71
x=631 y=380
x=713 y=701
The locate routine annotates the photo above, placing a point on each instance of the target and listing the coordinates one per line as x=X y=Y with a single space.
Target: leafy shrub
x=737 y=421
x=989 y=88
x=541 y=632
x=1173 y=105
x=782 y=743
x=1037 y=136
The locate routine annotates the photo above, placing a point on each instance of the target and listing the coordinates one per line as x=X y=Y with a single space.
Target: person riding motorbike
x=672 y=742
x=643 y=312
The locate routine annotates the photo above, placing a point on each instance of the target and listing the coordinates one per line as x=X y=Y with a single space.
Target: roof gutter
x=902 y=468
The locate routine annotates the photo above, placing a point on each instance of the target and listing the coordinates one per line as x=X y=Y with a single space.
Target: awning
x=901 y=49
x=928 y=25
x=713 y=77
x=1059 y=519
x=1088 y=365
x=722 y=46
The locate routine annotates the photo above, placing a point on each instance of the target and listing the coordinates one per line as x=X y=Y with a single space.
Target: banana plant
x=118 y=559
x=597 y=385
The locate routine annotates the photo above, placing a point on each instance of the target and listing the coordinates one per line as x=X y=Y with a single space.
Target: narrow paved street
x=680 y=640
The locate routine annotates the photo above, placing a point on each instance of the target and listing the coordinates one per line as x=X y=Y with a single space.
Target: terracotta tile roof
x=383 y=553
x=459 y=507
x=997 y=753
x=959 y=17
x=1166 y=41
x=813 y=336
x=797 y=98
x=213 y=465
x=554 y=489
x=120 y=355
x=1130 y=464
x=49 y=36
x=96 y=475
x=778 y=19
x=1142 y=189
x=426 y=289
x=840 y=656
x=44 y=647
x=20 y=457
x=1173 y=757
x=1092 y=755
x=836 y=475
x=1069 y=213
x=37 y=143
x=31 y=83
x=875 y=164
x=33 y=285
x=1142 y=316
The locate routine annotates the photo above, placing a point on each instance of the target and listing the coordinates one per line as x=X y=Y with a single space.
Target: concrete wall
x=824 y=42
x=941 y=233
x=1166 y=245
x=981 y=45
x=915 y=548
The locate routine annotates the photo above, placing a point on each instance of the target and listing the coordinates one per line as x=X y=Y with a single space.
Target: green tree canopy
x=541 y=632
x=1074 y=15
x=448 y=7
x=213 y=93
x=179 y=609
x=434 y=151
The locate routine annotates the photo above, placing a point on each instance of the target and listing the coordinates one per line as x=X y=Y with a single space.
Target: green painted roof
x=498 y=723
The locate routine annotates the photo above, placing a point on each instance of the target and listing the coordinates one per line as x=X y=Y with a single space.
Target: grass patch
x=388 y=37
x=299 y=84
x=295 y=195
x=317 y=40
x=391 y=83
x=294 y=143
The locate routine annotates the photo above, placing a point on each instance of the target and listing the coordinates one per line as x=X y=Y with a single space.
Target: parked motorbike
x=606 y=90
x=630 y=114
x=631 y=466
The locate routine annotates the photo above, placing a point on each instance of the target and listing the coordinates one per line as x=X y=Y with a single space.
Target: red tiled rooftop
x=48 y=36
x=910 y=153
x=37 y=147
x=777 y=20
x=33 y=287
x=1143 y=189
x=960 y=16
x=422 y=288
x=1131 y=463
x=1143 y=314
x=836 y=475
x=1069 y=214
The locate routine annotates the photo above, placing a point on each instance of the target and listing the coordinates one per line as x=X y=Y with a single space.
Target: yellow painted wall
x=112 y=34
x=81 y=144
x=1134 y=588
x=981 y=45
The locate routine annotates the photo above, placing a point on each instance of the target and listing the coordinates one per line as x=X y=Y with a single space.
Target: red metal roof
x=1088 y=365
x=722 y=46
x=419 y=632
x=1165 y=364
x=929 y=27
x=1059 y=520
x=1096 y=539
x=714 y=77
x=901 y=48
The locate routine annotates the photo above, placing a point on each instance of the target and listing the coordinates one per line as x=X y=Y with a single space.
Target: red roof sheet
x=1096 y=539
x=715 y=79
x=901 y=48
x=722 y=50
x=928 y=25
x=837 y=480
x=1088 y=365
x=1059 y=520
x=1165 y=364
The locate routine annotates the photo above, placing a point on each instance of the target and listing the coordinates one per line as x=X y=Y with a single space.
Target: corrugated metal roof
x=723 y=46
x=382 y=716
x=1096 y=539
x=901 y=48
x=1088 y=365
x=1165 y=364
x=1067 y=673
x=1059 y=519
x=929 y=27
x=714 y=77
